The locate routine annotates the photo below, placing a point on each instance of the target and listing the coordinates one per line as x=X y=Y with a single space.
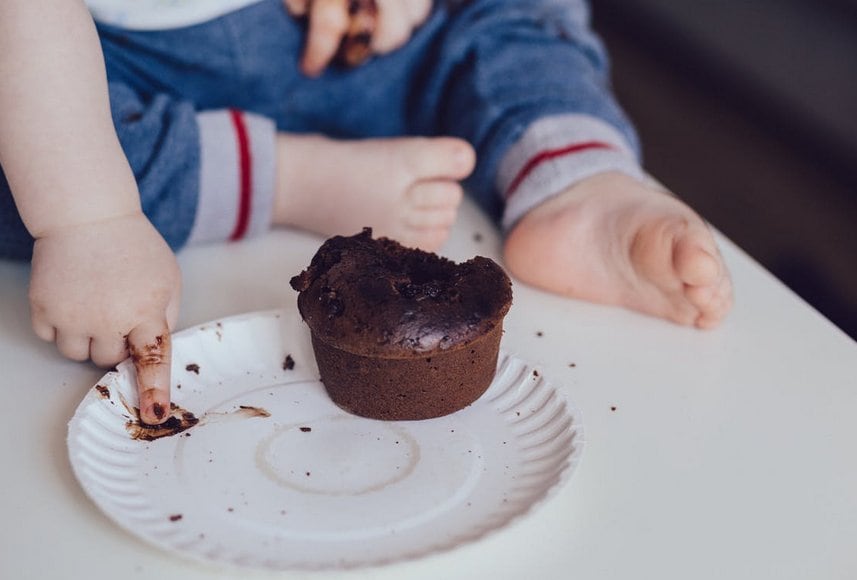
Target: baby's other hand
x=101 y=289
x=330 y=21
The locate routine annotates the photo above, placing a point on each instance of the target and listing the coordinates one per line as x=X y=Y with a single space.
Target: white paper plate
x=310 y=486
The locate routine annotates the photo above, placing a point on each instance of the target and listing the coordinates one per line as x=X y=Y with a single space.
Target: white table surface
x=730 y=453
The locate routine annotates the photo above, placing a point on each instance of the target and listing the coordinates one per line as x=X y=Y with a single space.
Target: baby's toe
x=438 y=157
x=432 y=218
x=701 y=296
x=696 y=259
x=681 y=311
x=713 y=303
x=435 y=194
x=428 y=239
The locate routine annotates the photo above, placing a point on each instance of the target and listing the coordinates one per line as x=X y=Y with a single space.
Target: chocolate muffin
x=399 y=333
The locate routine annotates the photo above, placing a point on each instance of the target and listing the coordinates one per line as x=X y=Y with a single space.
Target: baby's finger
x=356 y=46
x=151 y=351
x=328 y=22
x=73 y=346
x=106 y=352
x=296 y=7
x=393 y=28
x=43 y=330
x=417 y=10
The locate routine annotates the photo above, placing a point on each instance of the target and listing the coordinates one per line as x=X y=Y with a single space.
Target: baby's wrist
x=56 y=227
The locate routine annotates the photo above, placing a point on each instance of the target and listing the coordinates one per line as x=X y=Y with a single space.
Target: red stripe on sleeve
x=245 y=172
x=549 y=154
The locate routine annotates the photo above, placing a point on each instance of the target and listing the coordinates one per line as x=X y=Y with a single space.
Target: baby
x=218 y=118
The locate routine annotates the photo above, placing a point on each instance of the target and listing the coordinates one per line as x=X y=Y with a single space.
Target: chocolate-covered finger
x=356 y=45
x=151 y=352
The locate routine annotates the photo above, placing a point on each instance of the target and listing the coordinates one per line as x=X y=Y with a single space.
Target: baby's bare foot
x=404 y=188
x=614 y=240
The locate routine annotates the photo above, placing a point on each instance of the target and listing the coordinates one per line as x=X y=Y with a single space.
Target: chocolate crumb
x=572 y=365
x=248 y=411
x=103 y=391
x=288 y=363
x=306 y=429
x=613 y=408
x=307 y=473
x=535 y=373
x=175 y=517
x=192 y=368
x=539 y=333
x=230 y=509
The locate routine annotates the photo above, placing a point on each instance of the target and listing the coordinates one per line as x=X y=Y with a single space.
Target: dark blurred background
x=747 y=109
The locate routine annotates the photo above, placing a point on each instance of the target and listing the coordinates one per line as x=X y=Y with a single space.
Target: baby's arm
x=102 y=277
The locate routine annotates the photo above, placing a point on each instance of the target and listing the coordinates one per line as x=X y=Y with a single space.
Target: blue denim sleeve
x=16 y=243
x=160 y=138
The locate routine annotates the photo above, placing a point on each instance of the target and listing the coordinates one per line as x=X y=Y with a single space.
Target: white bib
x=160 y=14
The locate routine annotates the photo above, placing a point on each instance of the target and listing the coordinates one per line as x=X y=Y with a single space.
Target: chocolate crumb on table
x=613 y=408
x=306 y=429
x=249 y=411
x=288 y=363
x=176 y=517
x=192 y=368
x=539 y=333
x=103 y=391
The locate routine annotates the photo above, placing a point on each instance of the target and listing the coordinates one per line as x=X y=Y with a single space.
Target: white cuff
x=236 y=176
x=554 y=153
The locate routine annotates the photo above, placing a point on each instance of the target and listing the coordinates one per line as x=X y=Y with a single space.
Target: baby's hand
x=103 y=289
x=331 y=21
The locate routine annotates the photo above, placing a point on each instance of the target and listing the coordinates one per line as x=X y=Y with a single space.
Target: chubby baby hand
x=108 y=289
x=353 y=29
